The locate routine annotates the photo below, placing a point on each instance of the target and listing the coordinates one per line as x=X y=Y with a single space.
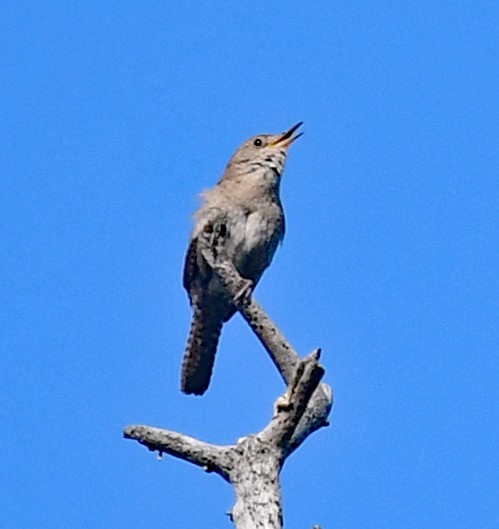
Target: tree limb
x=212 y=458
x=253 y=465
x=281 y=352
x=292 y=405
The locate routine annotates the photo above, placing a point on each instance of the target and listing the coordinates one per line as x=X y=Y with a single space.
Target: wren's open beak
x=287 y=138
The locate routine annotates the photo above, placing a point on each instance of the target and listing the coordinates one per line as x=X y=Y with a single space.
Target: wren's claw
x=244 y=293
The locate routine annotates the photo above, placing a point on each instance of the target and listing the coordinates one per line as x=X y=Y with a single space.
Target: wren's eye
x=258 y=142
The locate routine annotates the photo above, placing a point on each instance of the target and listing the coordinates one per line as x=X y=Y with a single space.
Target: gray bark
x=253 y=465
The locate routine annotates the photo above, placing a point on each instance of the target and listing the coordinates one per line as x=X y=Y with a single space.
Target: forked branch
x=253 y=465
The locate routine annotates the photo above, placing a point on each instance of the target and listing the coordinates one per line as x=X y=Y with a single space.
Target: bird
x=245 y=204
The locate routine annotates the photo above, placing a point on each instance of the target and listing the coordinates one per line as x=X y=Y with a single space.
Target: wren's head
x=265 y=153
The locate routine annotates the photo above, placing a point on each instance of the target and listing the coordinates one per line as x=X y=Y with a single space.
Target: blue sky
x=115 y=116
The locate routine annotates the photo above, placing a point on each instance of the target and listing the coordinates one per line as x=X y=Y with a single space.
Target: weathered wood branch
x=281 y=352
x=292 y=405
x=212 y=458
x=258 y=459
x=254 y=463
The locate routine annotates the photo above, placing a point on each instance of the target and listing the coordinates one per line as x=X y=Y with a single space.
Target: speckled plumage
x=246 y=201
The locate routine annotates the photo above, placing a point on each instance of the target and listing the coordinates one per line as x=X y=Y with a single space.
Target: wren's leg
x=245 y=291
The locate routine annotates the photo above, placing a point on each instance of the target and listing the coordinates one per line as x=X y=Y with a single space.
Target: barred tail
x=200 y=352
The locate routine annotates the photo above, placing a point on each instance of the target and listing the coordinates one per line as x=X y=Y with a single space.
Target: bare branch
x=255 y=477
x=280 y=350
x=291 y=407
x=212 y=458
x=315 y=416
x=253 y=465
x=283 y=355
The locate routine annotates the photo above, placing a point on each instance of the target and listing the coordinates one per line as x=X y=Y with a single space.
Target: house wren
x=246 y=200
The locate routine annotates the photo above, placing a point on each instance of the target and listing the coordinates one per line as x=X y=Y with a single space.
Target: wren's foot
x=245 y=291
